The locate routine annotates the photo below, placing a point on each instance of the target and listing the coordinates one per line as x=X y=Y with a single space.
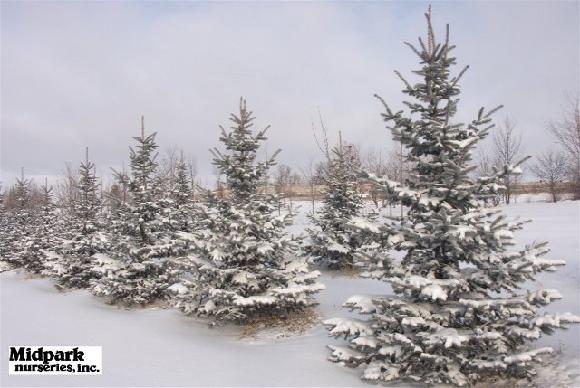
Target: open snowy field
x=161 y=347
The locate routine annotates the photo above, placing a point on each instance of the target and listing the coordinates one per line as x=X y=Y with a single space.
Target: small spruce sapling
x=334 y=241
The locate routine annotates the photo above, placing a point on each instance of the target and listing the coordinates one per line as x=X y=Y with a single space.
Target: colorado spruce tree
x=138 y=274
x=85 y=230
x=335 y=241
x=44 y=233
x=19 y=222
x=2 y=197
x=179 y=221
x=178 y=204
x=459 y=315
x=115 y=226
x=5 y=230
x=248 y=265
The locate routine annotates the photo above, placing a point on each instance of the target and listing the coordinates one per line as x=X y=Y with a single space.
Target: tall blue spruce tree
x=458 y=316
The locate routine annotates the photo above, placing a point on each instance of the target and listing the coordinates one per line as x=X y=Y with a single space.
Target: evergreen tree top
x=143 y=159
x=448 y=222
x=22 y=191
x=46 y=196
x=243 y=172
x=88 y=204
x=183 y=187
x=87 y=177
x=440 y=148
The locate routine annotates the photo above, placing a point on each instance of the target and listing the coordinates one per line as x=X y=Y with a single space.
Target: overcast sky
x=78 y=74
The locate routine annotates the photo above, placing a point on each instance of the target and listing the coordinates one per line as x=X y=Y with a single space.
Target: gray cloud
x=77 y=74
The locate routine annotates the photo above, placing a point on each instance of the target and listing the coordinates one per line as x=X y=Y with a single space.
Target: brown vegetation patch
x=281 y=326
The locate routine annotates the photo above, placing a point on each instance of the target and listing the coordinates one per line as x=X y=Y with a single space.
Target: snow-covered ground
x=161 y=347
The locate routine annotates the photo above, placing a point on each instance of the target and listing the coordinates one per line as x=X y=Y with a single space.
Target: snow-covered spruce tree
x=333 y=241
x=19 y=221
x=178 y=222
x=86 y=232
x=7 y=230
x=179 y=207
x=115 y=226
x=458 y=315
x=247 y=264
x=5 y=227
x=137 y=273
x=44 y=233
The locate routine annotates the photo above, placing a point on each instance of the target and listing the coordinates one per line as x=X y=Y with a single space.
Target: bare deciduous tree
x=321 y=139
x=67 y=191
x=485 y=162
x=167 y=167
x=192 y=167
x=308 y=174
x=282 y=179
x=508 y=144
x=567 y=132
x=377 y=163
x=550 y=168
x=167 y=170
